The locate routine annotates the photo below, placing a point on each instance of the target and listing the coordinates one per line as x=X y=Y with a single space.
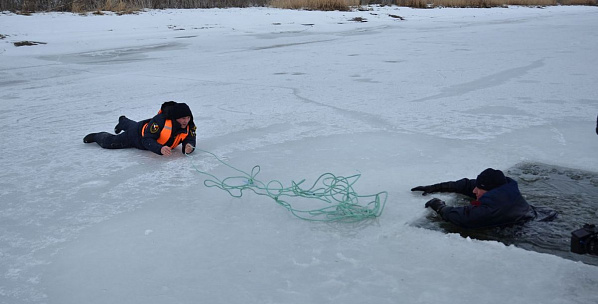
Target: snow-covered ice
x=438 y=96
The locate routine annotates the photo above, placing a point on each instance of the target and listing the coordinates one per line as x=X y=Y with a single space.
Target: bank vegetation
x=131 y=6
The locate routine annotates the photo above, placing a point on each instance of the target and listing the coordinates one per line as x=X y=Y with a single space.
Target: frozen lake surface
x=440 y=95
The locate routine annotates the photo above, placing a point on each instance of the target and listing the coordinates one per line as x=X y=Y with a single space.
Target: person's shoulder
x=511 y=183
x=503 y=193
x=159 y=118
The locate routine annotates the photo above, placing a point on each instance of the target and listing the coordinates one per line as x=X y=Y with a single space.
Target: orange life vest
x=166 y=133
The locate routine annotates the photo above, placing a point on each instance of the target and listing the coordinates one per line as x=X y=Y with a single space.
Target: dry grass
x=579 y=2
x=413 y=3
x=316 y=5
x=498 y=3
x=532 y=3
x=468 y=3
x=122 y=6
x=117 y=6
x=489 y=3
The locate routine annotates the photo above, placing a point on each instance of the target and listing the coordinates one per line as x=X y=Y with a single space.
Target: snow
x=438 y=96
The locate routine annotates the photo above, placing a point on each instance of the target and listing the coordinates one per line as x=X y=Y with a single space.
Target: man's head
x=179 y=110
x=181 y=113
x=488 y=180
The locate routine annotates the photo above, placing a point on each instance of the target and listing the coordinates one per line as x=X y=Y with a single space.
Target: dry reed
x=319 y=5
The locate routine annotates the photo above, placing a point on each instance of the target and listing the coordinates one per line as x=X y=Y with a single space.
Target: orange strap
x=165 y=134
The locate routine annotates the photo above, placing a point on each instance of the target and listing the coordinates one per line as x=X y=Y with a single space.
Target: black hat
x=179 y=110
x=490 y=179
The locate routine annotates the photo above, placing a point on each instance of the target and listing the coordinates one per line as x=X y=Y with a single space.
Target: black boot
x=90 y=138
x=118 y=128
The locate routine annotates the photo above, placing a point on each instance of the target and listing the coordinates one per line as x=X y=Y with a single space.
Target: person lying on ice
x=498 y=201
x=172 y=126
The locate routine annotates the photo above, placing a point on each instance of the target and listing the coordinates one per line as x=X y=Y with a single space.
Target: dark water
x=572 y=193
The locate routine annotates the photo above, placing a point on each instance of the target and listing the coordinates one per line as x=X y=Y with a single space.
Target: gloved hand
x=427 y=189
x=436 y=204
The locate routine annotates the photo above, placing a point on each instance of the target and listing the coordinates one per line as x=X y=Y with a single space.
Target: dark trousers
x=130 y=138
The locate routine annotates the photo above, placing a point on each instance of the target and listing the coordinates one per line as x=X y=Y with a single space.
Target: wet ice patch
x=95 y=184
x=113 y=56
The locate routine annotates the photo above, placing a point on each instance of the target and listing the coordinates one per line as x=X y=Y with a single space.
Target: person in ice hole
x=498 y=202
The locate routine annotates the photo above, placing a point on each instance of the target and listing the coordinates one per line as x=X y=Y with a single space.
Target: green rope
x=342 y=203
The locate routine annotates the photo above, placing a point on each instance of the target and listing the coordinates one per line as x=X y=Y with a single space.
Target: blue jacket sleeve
x=190 y=139
x=468 y=216
x=464 y=186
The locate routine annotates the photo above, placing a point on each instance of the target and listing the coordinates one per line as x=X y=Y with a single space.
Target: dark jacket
x=501 y=206
x=149 y=139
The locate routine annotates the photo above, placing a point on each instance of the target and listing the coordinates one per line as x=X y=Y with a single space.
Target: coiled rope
x=341 y=202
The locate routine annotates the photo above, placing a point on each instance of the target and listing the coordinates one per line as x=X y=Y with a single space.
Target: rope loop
x=341 y=202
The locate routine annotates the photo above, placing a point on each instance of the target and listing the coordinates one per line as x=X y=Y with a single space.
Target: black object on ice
x=585 y=240
x=89 y=138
